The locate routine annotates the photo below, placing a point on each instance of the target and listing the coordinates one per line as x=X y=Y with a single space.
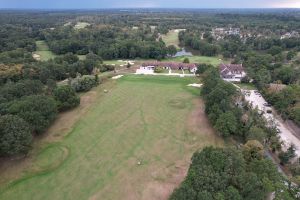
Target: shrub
x=186 y=60
x=15 y=135
x=66 y=98
x=84 y=83
x=158 y=70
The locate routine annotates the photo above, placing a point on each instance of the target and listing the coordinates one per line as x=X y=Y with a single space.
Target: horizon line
x=131 y=8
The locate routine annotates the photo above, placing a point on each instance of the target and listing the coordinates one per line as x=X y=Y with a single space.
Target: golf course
x=134 y=141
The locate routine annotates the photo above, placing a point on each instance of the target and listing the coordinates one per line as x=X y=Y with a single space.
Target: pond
x=183 y=52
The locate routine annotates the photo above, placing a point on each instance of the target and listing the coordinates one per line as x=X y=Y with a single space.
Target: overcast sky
x=77 y=4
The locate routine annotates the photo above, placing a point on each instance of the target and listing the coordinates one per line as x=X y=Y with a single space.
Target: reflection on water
x=183 y=52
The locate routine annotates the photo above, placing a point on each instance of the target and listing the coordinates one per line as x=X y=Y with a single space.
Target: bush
x=66 y=98
x=15 y=135
x=84 y=83
x=158 y=70
x=186 y=60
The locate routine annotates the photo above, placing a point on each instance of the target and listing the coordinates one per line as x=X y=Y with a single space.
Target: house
x=232 y=72
x=149 y=67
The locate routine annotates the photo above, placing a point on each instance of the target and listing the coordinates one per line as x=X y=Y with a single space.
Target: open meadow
x=133 y=143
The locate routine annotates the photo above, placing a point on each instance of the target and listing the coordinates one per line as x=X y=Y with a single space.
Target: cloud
x=287 y=4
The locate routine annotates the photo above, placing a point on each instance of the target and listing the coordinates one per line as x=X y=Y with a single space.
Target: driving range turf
x=134 y=142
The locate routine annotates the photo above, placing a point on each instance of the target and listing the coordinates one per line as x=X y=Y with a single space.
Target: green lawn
x=130 y=141
x=113 y=62
x=198 y=59
x=246 y=86
x=44 y=51
x=193 y=59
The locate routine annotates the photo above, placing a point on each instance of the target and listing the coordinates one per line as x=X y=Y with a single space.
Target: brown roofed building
x=232 y=72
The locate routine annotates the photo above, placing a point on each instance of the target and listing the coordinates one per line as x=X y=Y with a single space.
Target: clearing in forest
x=135 y=142
x=171 y=38
x=81 y=25
x=43 y=51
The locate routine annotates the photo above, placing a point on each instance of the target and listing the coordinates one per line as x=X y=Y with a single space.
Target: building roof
x=233 y=68
x=172 y=65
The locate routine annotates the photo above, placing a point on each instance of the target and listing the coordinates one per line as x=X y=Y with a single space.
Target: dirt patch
x=198 y=122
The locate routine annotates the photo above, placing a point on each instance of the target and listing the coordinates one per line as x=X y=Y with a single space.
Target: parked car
x=269 y=111
x=267 y=105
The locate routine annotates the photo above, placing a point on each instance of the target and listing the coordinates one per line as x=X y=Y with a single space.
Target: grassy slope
x=43 y=51
x=140 y=119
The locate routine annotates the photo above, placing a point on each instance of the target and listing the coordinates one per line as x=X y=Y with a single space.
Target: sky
x=98 y=4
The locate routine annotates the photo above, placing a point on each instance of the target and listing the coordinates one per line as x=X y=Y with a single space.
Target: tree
x=253 y=149
x=172 y=50
x=37 y=110
x=226 y=124
x=225 y=174
x=83 y=83
x=289 y=154
x=275 y=50
x=70 y=58
x=232 y=193
x=186 y=60
x=290 y=55
x=66 y=98
x=15 y=135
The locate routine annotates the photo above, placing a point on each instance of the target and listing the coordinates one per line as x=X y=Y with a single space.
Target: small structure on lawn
x=232 y=72
x=149 y=67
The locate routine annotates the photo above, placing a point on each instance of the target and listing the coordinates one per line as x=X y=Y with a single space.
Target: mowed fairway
x=43 y=51
x=171 y=38
x=134 y=143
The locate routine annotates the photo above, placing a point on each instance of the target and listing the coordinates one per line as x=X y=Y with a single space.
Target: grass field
x=198 y=59
x=43 y=51
x=171 y=38
x=134 y=142
x=247 y=86
x=193 y=59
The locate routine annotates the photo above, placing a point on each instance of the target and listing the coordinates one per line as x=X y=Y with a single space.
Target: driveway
x=286 y=134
